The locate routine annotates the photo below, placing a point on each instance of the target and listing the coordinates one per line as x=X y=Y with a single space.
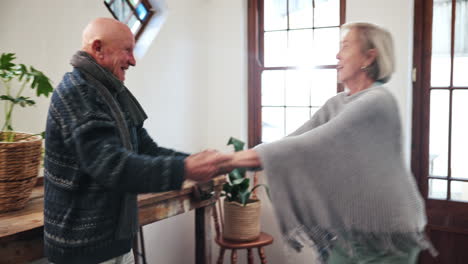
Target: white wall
x=43 y=34
x=192 y=82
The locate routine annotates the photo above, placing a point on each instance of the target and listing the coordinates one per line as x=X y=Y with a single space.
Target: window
x=440 y=127
x=448 y=144
x=135 y=13
x=292 y=63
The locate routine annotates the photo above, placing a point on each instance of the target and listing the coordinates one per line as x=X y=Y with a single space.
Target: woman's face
x=351 y=58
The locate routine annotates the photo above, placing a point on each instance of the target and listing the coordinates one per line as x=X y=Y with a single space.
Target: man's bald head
x=111 y=44
x=104 y=29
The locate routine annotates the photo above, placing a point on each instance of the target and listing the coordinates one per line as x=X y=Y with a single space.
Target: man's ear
x=96 y=46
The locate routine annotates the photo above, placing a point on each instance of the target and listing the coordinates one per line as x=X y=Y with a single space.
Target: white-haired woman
x=339 y=183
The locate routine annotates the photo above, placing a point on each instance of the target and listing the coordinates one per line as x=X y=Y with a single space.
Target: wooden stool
x=263 y=240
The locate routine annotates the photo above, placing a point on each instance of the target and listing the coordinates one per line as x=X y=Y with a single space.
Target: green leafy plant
x=237 y=188
x=14 y=79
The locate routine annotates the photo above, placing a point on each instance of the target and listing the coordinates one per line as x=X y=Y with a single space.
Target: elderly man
x=99 y=156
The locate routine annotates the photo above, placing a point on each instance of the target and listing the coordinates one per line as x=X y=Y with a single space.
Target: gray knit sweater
x=341 y=178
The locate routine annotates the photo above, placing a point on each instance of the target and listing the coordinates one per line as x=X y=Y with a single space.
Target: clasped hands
x=205 y=165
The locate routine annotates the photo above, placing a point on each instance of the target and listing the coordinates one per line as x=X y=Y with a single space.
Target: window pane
x=142 y=11
x=460 y=61
x=323 y=86
x=134 y=24
x=459 y=191
x=272 y=123
x=459 y=164
x=327 y=13
x=326 y=45
x=438 y=140
x=273 y=88
x=121 y=9
x=300 y=47
x=441 y=32
x=298 y=84
x=275 y=48
x=275 y=14
x=300 y=14
x=437 y=189
x=295 y=117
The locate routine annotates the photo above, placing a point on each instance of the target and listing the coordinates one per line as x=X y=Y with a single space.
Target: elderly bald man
x=99 y=156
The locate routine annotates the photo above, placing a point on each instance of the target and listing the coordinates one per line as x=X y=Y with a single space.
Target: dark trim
x=295 y=68
x=447 y=179
x=421 y=94
x=144 y=22
x=110 y=9
x=255 y=48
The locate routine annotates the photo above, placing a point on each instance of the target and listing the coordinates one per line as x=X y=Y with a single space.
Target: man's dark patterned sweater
x=88 y=172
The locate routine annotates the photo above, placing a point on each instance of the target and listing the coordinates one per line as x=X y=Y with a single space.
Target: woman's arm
x=242 y=159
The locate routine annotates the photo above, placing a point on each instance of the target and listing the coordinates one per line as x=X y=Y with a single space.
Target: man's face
x=118 y=55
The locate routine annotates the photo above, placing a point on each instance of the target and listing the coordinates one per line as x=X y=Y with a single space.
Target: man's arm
x=103 y=157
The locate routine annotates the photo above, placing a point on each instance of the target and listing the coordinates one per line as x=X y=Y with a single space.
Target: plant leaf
x=6 y=61
x=24 y=101
x=7 y=98
x=243 y=184
x=227 y=187
x=238 y=144
x=23 y=71
x=244 y=197
x=235 y=174
x=40 y=82
x=266 y=189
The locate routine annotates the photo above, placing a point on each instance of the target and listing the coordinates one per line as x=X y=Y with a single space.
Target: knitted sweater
x=340 y=179
x=88 y=172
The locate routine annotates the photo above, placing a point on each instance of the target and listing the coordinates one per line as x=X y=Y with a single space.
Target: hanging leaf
x=23 y=71
x=24 y=101
x=40 y=82
x=267 y=190
x=244 y=197
x=23 y=76
x=238 y=144
x=7 y=98
x=6 y=61
x=235 y=174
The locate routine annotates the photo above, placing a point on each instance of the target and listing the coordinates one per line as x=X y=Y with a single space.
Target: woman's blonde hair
x=378 y=38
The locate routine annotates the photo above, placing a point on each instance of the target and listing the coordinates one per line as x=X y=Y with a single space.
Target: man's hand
x=205 y=165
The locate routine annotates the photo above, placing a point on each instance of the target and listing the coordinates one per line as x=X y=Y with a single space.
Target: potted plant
x=20 y=153
x=241 y=210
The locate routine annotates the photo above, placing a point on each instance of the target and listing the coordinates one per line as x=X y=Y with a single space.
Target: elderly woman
x=339 y=183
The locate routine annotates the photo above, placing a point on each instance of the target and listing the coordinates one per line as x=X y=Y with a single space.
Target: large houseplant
x=20 y=153
x=241 y=211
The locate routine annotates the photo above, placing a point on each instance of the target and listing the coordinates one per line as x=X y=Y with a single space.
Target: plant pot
x=241 y=223
x=19 y=166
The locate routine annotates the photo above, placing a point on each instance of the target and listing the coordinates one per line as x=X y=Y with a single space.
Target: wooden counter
x=21 y=231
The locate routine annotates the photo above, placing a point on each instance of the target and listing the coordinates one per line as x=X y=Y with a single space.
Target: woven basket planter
x=19 y=167
x=241 y=223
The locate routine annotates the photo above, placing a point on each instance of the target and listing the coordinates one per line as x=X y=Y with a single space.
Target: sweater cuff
x=178 y=176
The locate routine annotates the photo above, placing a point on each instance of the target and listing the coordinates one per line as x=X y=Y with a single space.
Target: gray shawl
x=121 y=102
x=340 y=179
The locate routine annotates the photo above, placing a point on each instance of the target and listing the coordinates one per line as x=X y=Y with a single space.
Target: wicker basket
x=19 y=165
x=241 y=223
